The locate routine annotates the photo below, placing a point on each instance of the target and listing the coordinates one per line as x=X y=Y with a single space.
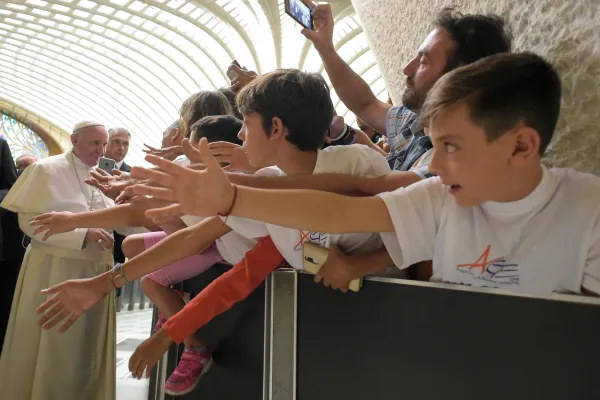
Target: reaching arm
x=74 y=297
x=354 y=92
x=313 y=210
x=362 y=138
x=228 y=289
x=72 y=239
x=388 y=183
x=369 y=263
x=335 y=183
x=121 y=215
x=183 y=243
x=348 y=185
x=109 y=218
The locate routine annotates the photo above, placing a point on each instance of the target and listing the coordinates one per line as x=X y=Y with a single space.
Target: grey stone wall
x=566 y=32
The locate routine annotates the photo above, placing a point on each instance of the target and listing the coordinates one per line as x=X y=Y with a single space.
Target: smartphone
x=106 y=164
x=314 y=257
x=300 y=12
x=231 y=73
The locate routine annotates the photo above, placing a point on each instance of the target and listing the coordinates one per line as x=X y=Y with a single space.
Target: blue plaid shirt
x=410 y=149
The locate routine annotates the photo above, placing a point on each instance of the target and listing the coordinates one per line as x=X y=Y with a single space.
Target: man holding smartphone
x=117 y=149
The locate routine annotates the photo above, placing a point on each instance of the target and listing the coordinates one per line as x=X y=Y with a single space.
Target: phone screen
x=299 y=12
x=106 y=164
x=230 y=73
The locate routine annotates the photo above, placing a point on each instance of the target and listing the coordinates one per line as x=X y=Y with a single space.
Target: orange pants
x=231 y=287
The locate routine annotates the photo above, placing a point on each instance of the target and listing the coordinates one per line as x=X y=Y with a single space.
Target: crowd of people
x=448 y=187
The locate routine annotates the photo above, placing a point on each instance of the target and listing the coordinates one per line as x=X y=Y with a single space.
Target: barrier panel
x=412 y=340
x=401 y=339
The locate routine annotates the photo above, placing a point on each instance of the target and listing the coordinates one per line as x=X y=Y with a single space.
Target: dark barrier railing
x=395 y=339
x=130 y=296
x=236 y=340
x=404 y=339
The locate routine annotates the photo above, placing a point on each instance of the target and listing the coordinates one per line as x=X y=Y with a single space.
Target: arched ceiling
x=131 y=63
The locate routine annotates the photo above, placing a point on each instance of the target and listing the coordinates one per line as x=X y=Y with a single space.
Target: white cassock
x=44 y=365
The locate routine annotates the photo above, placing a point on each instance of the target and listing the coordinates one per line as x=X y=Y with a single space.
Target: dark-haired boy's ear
x=527 y=145
x=277 y=128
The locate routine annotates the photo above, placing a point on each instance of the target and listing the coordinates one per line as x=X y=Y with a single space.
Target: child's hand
x=336 y=271
x=203 y=193
x=52 y=223
x=148 y=353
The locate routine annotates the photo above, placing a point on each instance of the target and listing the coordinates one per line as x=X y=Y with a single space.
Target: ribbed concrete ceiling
x=132 y=63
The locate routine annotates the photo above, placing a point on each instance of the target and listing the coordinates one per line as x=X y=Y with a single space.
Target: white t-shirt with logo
x=356 y=160
x=232 y=246
x=547 y=242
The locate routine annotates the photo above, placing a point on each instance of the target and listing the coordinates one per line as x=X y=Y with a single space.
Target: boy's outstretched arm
x=349 y=185
x=209 y=192
x=108 y=218
x=73 y=297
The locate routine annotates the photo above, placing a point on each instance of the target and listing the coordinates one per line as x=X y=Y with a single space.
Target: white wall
x=566 y=32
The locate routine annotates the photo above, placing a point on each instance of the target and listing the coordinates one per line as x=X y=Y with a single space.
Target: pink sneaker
x=160 y=322
x=193 y=364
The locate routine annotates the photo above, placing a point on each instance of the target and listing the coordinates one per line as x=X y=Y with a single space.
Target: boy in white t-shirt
x=494 y=216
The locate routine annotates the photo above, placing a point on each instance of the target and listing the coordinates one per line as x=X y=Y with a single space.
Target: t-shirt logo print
x=307 y=236
x=497 y=270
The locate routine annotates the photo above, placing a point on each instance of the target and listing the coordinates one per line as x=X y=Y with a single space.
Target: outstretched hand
x=233 y=155
x=146 y=356
x=202 y=193
x=322 y=34
x=242 y=77
x=112 y=185
x=170 y=153
x=53 y=223
x=71 y=299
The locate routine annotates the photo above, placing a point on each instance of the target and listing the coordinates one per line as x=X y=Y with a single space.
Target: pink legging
x=182 y=269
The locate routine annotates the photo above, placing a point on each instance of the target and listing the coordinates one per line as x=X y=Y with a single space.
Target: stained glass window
x=21 y=139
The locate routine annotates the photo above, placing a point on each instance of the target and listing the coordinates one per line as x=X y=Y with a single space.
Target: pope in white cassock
x=79 y=364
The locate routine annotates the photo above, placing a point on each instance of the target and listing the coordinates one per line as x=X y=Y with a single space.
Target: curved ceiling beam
x=272 y=14
x=90 y=47
x=58 y=93
x=224 y=16
x=49 y=132
x=117 y=85
x=338 y=45
x=145 y=59
x=146 y=31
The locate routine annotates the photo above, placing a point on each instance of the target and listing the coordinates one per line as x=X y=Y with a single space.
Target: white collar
x=78 y=163
x=538 y=196
x=119 y=164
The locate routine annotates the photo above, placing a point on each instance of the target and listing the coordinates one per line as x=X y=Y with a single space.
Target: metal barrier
x=407 y=339
x=131 y=295
x=236 y=340
x=415 y=340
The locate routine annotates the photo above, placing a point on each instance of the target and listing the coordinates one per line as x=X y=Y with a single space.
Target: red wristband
x=226 y=215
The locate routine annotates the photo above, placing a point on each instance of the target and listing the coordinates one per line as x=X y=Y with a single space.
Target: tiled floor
x=133 y=327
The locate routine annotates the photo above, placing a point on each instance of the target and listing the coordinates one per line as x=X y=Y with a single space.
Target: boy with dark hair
x=217 y=128
x=495 y=216
x=286 y=114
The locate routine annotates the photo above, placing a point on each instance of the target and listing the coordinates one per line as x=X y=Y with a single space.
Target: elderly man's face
x=118 y=146
x=89 y=144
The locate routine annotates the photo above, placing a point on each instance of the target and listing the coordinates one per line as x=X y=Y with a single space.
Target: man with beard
x=455 y=40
